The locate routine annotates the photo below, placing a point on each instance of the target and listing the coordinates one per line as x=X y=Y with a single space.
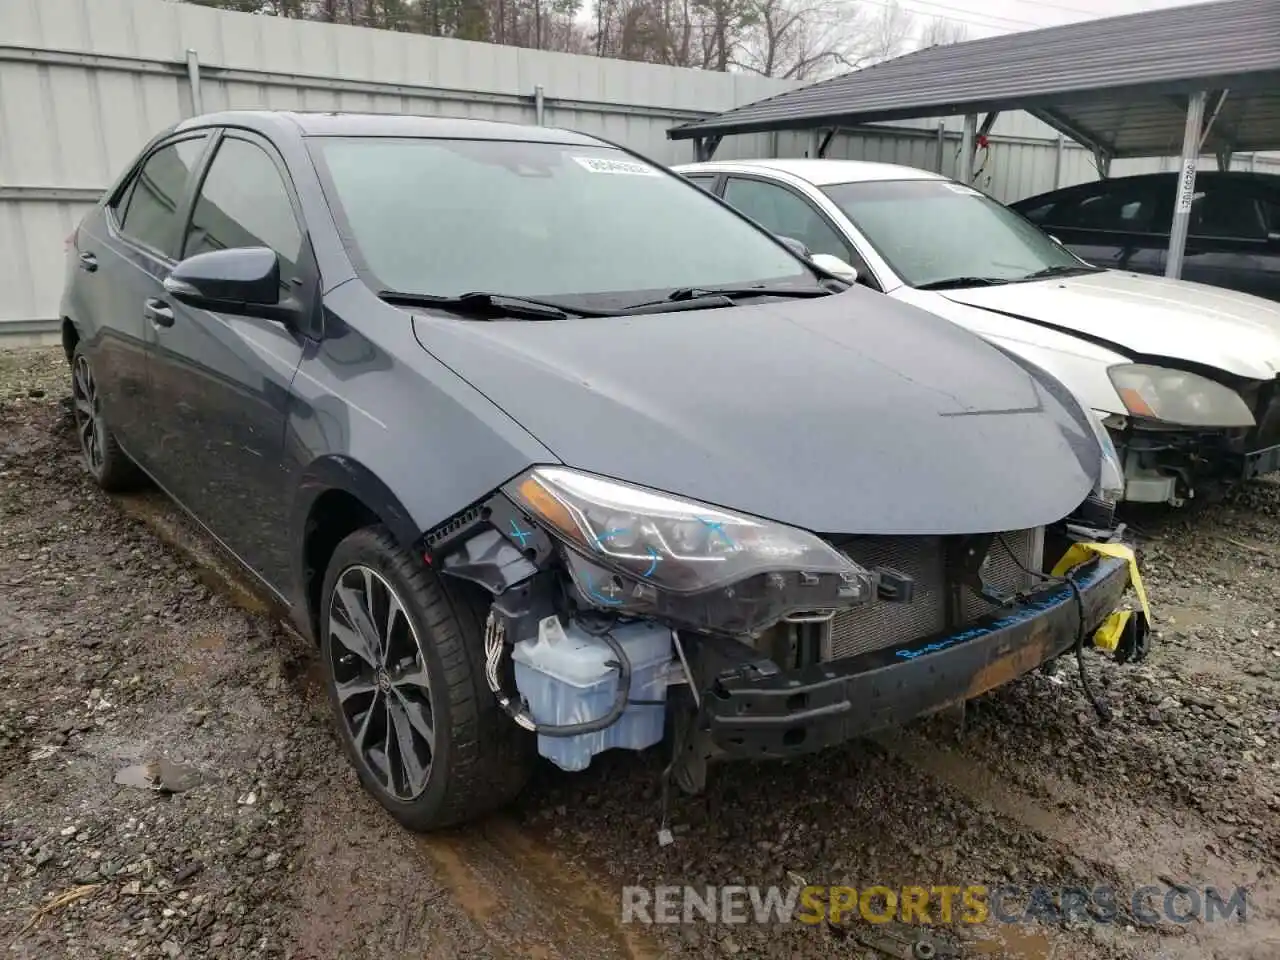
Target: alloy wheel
x=88 y=412
x=380 y=678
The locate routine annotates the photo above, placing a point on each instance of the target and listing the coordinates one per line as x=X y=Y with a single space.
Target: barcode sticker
x=603 y=165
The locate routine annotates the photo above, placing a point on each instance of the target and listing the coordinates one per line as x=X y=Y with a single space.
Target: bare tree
x=887 y=34
x=795 y=39
x=940 y=32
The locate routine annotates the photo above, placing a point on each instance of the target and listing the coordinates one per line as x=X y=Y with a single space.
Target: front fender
x=336 y=472
x=1079 y=363
x=1086 y=376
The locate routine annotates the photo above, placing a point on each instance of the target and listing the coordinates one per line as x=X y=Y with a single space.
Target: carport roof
x=1118 y=85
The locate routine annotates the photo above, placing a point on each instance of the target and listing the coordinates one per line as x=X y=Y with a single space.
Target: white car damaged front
x=1176 y=370
x=1184 y=375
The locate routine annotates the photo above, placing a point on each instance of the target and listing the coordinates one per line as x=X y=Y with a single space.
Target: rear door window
x=149 y=211
x=1227 y=211
x=786 y=214
x=706 y=181
x=1121 y=207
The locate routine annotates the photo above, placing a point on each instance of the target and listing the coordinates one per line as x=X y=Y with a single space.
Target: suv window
x=1226 y=210
x=148 y=210
x=780 y=211
x=706 y=181
x=243 y=202
x=1124 y=207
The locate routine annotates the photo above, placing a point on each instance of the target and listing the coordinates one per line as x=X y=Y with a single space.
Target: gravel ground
x=126 y=640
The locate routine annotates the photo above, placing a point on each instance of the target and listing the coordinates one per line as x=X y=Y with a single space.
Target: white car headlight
x=643 y=552
x=1178 y=397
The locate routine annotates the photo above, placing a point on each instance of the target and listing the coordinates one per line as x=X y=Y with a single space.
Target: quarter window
x=782 y=212
x=149 y=211
x=243 y=202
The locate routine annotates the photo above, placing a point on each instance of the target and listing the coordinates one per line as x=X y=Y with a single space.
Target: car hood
x=846 y=414
x=1148 y=317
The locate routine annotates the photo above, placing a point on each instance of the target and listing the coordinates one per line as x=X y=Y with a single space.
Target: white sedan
x=1183 y=375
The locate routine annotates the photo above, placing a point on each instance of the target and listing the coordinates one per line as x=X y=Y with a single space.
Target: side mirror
x=795 y=246
x=834 y=265
x=243 y=281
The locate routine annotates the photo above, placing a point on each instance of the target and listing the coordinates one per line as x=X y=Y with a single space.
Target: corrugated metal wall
x=84 y=83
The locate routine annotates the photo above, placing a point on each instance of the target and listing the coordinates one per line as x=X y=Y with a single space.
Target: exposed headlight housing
x=642 y=552
x=1178 y=397
x=1110 y=486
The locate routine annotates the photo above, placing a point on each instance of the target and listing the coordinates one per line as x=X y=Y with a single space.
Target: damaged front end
x=621 y=614
x=1188 y=436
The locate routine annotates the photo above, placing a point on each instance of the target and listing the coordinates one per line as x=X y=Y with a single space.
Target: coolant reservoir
x=562 y=675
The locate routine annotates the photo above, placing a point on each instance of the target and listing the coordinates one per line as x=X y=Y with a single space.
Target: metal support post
x=812 y=153
x=704 y=148
x=193 y=78
x=941 y=165
x=1057 y=161
x=967 y=139
x=826 y=142
x=539 y=106
x=1186 y=185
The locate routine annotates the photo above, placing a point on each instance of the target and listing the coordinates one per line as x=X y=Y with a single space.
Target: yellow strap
x=1080 y=552
x=1107 y=636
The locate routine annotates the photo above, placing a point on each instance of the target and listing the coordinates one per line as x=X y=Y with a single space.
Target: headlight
x=1111 y=478
x=1178 y=397
x=640 y=551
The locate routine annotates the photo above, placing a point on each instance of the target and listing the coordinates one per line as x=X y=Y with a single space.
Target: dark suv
x=1233 y=239
x=549 y=450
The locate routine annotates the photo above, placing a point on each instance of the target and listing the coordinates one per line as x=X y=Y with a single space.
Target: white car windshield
x=942 y=233
x=440 y=217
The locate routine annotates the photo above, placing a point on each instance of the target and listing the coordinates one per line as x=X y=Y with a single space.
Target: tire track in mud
x=522 y=898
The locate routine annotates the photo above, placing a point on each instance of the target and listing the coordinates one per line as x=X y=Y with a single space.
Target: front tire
x=110 y=467
x=403 y=658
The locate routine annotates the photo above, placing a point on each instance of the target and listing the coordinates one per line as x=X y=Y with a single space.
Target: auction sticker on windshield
x=602 y=165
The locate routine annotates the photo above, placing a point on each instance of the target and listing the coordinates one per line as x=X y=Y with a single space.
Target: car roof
x=331 y=124
x=1169 y=177
x=822 y=172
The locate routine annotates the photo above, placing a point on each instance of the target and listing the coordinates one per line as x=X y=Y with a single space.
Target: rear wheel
x=405 y=676
x=109 y=466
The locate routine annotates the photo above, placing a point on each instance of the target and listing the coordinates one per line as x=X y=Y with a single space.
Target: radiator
x=875 y=626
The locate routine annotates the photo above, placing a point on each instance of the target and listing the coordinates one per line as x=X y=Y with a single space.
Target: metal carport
x=1194 y=79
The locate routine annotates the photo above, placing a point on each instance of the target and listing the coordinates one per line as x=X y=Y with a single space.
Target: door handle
x=88 y=262
x=158 y=312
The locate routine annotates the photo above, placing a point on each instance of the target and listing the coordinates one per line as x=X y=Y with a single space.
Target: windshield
x=931 y=231
x=448 y=217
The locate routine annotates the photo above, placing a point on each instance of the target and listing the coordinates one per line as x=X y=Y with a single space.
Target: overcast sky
x=984 y=18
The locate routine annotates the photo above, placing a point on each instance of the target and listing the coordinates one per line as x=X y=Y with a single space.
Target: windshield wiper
x=1062 y=270
x=491 y=306
x=724 y=296
x=952 y=283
